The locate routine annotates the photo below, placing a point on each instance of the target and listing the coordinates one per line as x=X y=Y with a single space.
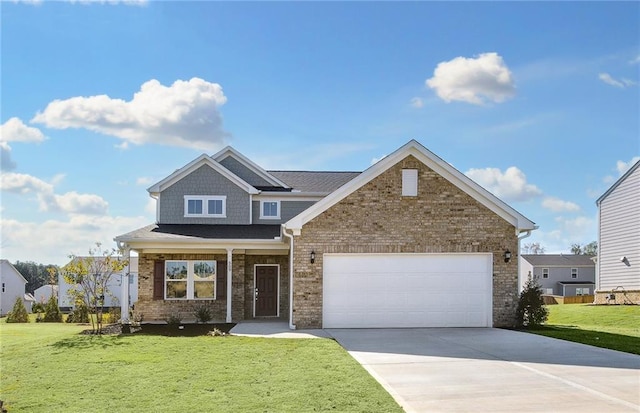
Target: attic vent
x=409 y=182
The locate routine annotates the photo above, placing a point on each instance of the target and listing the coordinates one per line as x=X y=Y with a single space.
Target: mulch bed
x=182 y=330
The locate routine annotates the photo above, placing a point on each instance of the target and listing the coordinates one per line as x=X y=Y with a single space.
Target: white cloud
x=52 y=241
x=183 y=114
x=376 y=160
x=622 y=166
x=575 y=229
x=417 y=102
x=622 y=83
x=558 y=205
x=110 y=2
x=6 y=163
x=69 y=203
x=150 y=208
x=14 y=130
x=144 y=180
x=509 y=186
x=473 y=80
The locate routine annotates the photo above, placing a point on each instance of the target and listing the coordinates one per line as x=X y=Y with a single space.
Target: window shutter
x=409 y=182
x=158 y=280
x=221 y=280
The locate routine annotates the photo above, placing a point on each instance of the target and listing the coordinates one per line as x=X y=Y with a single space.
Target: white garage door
x=407 y=290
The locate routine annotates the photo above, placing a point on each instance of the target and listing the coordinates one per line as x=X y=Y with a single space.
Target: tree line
x=535 y=248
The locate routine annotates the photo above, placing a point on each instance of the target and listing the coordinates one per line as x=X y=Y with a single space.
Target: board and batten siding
x=620 y=236
x=204 y=181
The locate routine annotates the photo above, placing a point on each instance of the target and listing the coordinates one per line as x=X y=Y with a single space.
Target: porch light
x=507 y=256
x=313 y=257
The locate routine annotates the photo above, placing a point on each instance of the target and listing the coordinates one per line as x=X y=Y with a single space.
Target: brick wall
x=377 y=219
x=621 y=297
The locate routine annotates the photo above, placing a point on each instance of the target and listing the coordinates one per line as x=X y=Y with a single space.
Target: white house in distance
x=618 y=266
x=12 y=285
x=114 y=299
x=42 y=294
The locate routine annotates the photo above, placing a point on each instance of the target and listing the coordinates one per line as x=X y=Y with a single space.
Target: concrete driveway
x=494 y=370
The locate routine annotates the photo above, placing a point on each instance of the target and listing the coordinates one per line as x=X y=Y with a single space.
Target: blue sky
x=538 y=102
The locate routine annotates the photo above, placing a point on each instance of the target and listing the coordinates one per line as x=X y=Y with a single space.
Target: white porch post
x=124 y=289
x=229 y=282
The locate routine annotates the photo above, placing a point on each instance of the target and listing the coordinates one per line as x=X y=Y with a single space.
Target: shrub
x=18 y=313
x=113 y=316
x=79 y=315
x=531 y=311
x=52 y=313
x=203 y=314
x=38 y=307
x=174 y=319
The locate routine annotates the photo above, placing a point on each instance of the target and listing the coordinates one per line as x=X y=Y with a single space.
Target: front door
x=266 y=291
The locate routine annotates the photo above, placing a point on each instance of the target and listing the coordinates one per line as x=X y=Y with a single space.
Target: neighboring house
x=114 y=298
x=618 y=265
x=42 y=294
x=409 y=242
x=12 y=287
x=560 y=274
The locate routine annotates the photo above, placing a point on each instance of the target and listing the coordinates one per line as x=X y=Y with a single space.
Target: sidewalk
x=274 y=329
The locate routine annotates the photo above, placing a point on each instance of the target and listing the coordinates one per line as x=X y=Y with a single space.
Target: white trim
x=278 y=204
x=255 y=274
x=576 y=277
x=229 y=283
x=542 y=274
x=229 y=151
x=409 y=182
x=205 y=206
x=432 y=161
x=190 y=280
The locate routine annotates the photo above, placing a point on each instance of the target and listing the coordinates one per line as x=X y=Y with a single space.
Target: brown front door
x=266 y=293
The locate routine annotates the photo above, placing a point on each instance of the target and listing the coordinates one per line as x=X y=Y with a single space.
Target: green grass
x=51 y=368
x=616 y=327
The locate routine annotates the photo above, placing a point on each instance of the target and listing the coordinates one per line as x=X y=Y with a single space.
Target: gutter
x=286 y=234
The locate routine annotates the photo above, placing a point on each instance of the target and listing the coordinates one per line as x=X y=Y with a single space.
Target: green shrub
x=113 y=316
x=174 y=319
x=531 y=311
x=18 y=313
x=52 y=312
x=79 y=315
x=37 y=307
x=203 y=314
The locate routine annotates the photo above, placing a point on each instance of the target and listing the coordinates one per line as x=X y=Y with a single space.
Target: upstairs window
x=574 y=273
x=205 y=206
x=545 y=273
x=409 y=182
x=270 y=209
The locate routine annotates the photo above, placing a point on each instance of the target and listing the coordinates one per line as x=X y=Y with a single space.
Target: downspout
x=124 y=284
x=526 y=235
x=290 y=236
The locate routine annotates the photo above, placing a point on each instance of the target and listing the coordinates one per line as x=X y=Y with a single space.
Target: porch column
x=124 y=289
x=229 y=282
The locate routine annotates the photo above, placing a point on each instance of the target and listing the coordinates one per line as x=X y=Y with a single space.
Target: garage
x=407 y=290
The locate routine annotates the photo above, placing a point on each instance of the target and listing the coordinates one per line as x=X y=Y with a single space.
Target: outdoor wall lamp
x=507 y=256
x=313 y=257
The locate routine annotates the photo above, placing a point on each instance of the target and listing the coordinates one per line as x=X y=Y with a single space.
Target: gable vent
x=409 y=182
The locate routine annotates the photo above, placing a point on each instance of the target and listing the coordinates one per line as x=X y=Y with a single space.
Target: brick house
x=409 y=242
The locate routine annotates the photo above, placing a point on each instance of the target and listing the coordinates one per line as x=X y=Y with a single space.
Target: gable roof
x=314 y=181
x=464 y=183
x=195 y=164
x=559 y=260
x=6 y=262
x=230 y=152
x=618 y=182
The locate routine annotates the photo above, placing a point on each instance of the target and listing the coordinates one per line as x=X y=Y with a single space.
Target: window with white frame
x=545 y=273
x=205 y=206
x=270 y=209
x=190 y=280
x=574 y=273
x=409 y=182
x=548 y=291
x=582 y=291
x=2 y=287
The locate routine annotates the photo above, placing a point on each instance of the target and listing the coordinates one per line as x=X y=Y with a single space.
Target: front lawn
x=616 y=327
x=51 y=367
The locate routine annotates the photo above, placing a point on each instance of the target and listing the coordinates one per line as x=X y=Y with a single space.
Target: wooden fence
x=577 y=299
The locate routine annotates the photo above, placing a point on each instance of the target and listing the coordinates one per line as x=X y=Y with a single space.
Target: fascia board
x=195 y=164
x=617 y=183
x=229 y=151
x=434 y=162
x=141 y=244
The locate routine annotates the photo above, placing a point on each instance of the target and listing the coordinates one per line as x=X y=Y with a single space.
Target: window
x=190 y=280
x=205 y=206
x=574 y=273
x=582 y=291
x=269 y=209
x=2 y=287
x=409 y=182
x=545 y=273
x=548 y=291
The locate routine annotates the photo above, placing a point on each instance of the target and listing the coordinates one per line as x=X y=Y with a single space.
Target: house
x=559 y=274
x=44 y=293
x=409 y=242
x=618 y=264
x=115 y=286
x=12 y=287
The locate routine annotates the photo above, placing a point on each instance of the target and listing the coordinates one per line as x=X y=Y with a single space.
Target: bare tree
x=533 y=248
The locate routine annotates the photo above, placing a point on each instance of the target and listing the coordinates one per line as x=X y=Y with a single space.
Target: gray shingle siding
x=288 y=210
x=204 y=181
x=243 y=172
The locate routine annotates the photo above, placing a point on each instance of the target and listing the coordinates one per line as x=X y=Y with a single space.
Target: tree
x=531 y=311
x=18 y=313
x=36 y=274
x=52 y=312
x=533 y=248
x=589 y=249
x=90 y=277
